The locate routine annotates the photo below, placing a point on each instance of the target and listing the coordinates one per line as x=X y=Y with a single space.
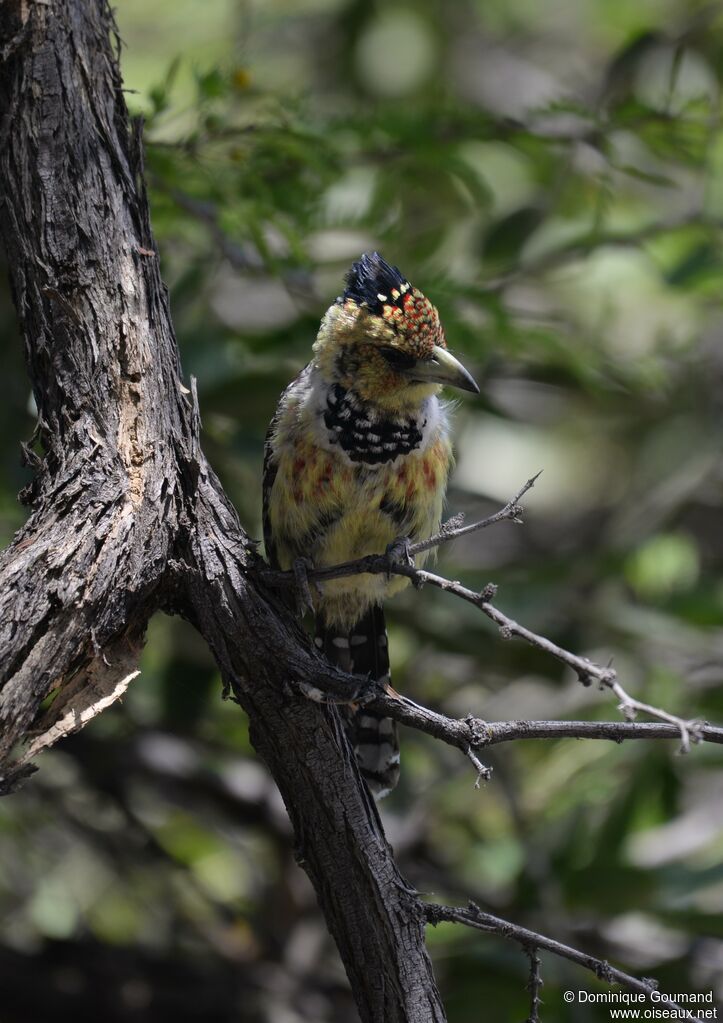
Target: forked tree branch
x=531 y=942
x=472 y=735
x=587 y=671
x=454 y=528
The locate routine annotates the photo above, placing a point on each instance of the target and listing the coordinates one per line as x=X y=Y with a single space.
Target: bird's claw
x=398 y=553
x=304 y=597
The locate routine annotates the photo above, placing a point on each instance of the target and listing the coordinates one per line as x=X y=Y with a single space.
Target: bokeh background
x=550 y=175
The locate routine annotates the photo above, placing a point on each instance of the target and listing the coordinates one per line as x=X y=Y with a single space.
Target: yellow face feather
x=350 y=345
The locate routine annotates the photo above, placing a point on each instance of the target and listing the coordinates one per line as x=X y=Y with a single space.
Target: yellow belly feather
x=325 y=509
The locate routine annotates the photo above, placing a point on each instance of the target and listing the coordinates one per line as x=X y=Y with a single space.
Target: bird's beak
x=443 y=368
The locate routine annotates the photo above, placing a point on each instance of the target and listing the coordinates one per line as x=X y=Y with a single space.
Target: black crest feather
x=370 y=277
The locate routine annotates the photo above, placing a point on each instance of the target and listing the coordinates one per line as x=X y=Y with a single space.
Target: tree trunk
x=126 y=515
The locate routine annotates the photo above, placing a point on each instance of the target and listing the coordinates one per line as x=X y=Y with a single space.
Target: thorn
x=482 y=770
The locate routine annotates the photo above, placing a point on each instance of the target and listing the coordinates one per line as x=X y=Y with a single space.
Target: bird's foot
x=304 y=597
x=398 y=553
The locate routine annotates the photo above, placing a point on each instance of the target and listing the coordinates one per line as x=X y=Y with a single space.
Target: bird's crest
x=372 y=282
x=382 y=289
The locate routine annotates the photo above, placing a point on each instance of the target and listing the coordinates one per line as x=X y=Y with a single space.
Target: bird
x=356 y=461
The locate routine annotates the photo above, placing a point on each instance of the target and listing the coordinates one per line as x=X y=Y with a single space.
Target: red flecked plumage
x=415 y=320
x=323 y=481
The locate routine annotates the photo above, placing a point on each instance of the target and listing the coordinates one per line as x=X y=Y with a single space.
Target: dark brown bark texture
x=126 y=515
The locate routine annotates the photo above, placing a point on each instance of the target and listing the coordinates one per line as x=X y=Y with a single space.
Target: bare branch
x=482 y=770
x=586 y=670
x=473 y=916
x=613 y=731
x=476 y=733
x=470 y=734
x=690 y=731
x=454 y=528
x=534 y=984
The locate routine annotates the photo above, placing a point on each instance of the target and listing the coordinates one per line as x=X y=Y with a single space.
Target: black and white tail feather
x=364 y=651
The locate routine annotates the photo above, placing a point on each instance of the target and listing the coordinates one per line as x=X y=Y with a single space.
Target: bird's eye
x=397 y=359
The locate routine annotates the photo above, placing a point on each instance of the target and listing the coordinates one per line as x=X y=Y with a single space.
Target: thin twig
x=471 y=734
x=612 y=731
x=473 y=916
x=587 y=671
x=482 y=770
x=453 y=528
x=690 y=731
x=474 y=733
x=534 y=984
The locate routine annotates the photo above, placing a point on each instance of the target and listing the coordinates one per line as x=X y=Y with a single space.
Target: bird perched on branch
x=357 y=457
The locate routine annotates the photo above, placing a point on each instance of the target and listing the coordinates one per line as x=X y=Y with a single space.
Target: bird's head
x=383 y=340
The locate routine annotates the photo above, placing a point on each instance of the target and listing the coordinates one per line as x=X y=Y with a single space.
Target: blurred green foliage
x=550 y=175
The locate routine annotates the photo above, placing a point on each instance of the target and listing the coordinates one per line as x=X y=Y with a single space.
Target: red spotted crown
x=381 y=288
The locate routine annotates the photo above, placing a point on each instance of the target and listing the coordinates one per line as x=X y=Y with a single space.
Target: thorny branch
x=531 y=941
x=454 y=528
x=534 y=984
x=483 y=772
x=587 y=671
x=472 y=734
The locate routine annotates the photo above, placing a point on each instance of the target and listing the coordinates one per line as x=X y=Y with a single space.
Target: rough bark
x=126 y=515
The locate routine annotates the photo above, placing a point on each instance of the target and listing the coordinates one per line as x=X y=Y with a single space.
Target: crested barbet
x=357 y=457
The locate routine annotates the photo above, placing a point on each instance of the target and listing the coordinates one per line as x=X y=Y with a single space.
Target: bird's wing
x=271 y=464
